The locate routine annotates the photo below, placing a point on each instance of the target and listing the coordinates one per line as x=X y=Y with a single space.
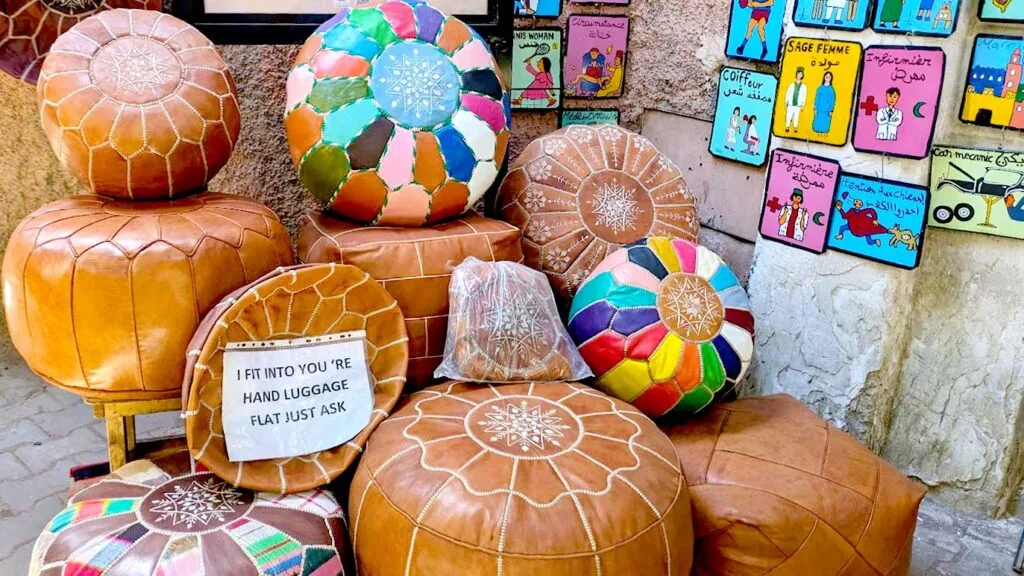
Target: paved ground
x=46 y=431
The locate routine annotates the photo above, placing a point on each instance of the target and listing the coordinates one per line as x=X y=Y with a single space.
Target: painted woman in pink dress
x=543 y=85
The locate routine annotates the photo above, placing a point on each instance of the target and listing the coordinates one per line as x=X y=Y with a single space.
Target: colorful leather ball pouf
x=664 y=324
x=138 y=104
x=397 y=115
x=142 y=520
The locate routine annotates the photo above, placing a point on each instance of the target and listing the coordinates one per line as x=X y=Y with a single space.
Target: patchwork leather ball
x=138 y=104
x=665 y=325
x=102 y=295
x=29 y=27
x=583 y=191
x=143 y=520
x=397 y=114
x=547 y=479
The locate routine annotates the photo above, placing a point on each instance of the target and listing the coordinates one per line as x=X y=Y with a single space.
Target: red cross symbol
x=774 y=205
x=869 y=107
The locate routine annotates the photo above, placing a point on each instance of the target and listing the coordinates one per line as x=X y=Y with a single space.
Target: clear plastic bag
x=504 y=326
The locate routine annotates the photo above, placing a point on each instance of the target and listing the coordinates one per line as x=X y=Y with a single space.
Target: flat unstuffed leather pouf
x=301 y=301
x=102 y=296
x=544 y=479
x=142 y=520
x=665 y=325
x=138 y=104
x=583 y=191
x=29 y=27
x=397 y=114
x=414 y=265
x=778 y=491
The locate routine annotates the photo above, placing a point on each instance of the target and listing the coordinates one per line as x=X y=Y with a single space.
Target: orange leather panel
x=308 y=300
x=778 y=491
x=414 y=265
x=102 y=296
x=545 y=479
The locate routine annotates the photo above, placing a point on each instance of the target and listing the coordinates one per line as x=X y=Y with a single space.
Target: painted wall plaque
x=798 y=199
x=588 y=117
x=743 y=114
x=880 y=220
x=917 y=17
x=537 y=68
x=755 y=30
x=538 y=8
x=978 y=191
x=994 y=94
x=899 y=100
x=1009 y=11
x=816 y=87
x=835 y=14
x=595 y=58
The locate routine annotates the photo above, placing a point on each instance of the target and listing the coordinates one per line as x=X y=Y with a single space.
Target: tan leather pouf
x=102 y=296
x=138 y=104
x=289 y=303
x=778 y=491
x=525 y=479
x=415 y=266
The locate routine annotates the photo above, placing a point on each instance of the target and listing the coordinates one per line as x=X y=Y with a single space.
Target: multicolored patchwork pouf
x=29 y=27
x=397 y=114
x=583 y=191
x=664 y=324
x=138 y=104
x=141 y=520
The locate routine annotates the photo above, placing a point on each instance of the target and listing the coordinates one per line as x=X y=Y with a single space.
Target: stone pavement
x=45 y=431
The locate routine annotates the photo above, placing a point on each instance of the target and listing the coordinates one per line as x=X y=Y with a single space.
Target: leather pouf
x=309 y=300
x=397 y=114
x=526 y=480
x=29 y=27
x=138 y=104
x=664 y=324
x=102 y=295
x=778 y=491
x=414 y=265
x=583 y=191
x=142 y=520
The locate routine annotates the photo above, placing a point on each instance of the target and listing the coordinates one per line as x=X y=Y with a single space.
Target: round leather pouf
x=397 y=115
x=29 y=27
x=544 y=479
x=142 y=520
x=289 y=303
x=778 y=491
x=664 y=324
x=583 y=191
x=138 y=104
x=103 y=295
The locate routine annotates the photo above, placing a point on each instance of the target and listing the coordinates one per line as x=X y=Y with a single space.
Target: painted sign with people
x=994 y=94
x=978 y=191
x=742 y=115
x=798 y=199
x=595 y=58
x=837 y=14
x=1007 y=11
x=755 y=30
x=538 y=8
x=537 y=68
x=918 y=17
x=881 y=220
x=816 y=87
x=899 y=100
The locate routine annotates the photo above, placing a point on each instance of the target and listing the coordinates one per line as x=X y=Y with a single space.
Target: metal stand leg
x=1018 y=561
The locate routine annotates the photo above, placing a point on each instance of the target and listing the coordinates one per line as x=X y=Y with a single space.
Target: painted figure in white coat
x=796 y=99
x=890 y=117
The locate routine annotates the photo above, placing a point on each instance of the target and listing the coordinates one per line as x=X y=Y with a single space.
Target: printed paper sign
x=837 y=14
x=285 y=398
x=816 y=90
x=899 y=99
x=742 y=116
x=588 y=117
x=994 y=95
x=881 y=220
x=538 y=8
x=978 y=191
x=917 y=17
x=1009 y=11
x=798 y=199
x=755 y=30
x=595 y=60
x=537 y=68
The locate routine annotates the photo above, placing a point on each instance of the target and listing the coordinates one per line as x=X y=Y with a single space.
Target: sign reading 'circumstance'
x=285 y=398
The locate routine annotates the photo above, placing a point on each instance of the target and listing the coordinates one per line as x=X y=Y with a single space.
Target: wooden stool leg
x=116 y=442
x=129 y=435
